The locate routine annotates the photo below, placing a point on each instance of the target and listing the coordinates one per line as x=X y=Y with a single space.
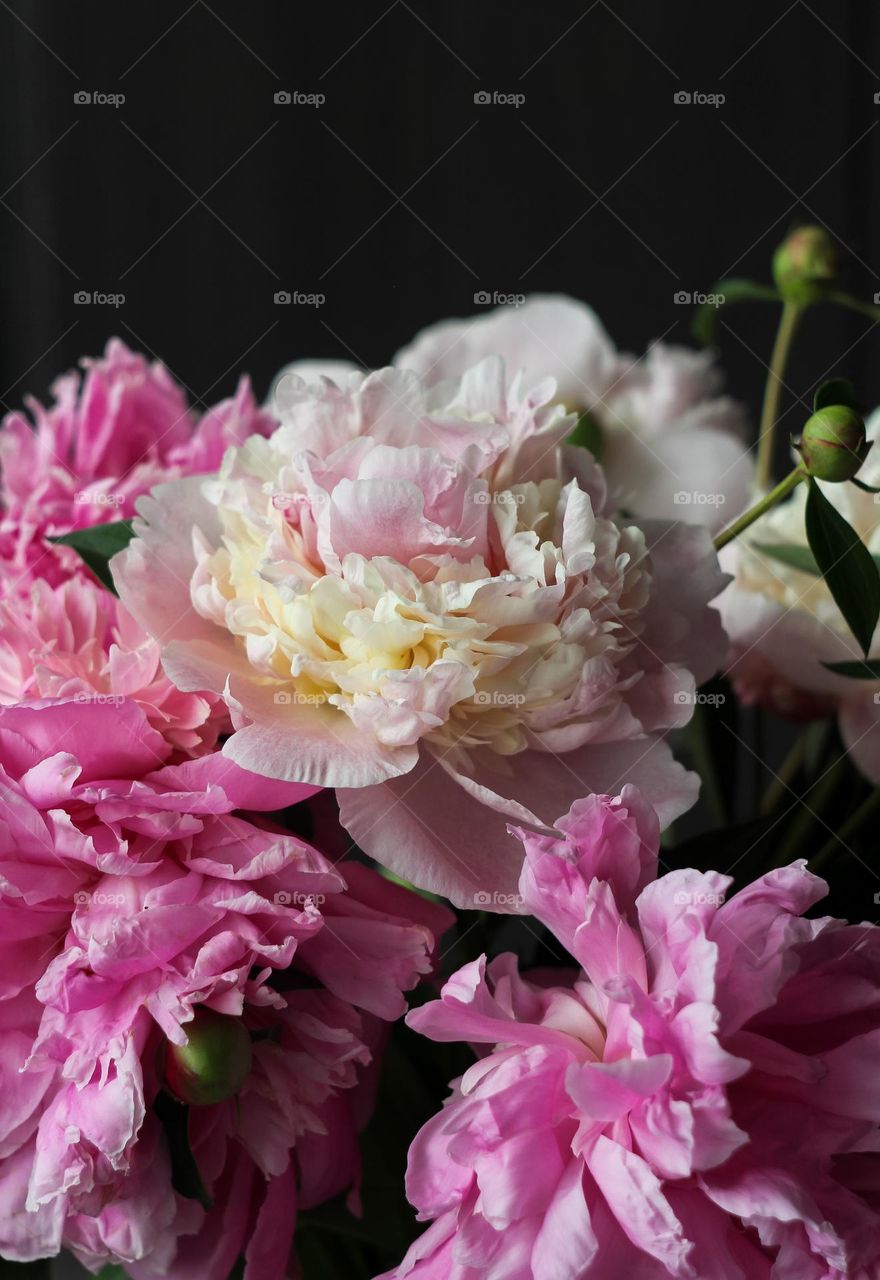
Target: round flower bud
x=213 y=1064
x=833 y=444
x=804 y=264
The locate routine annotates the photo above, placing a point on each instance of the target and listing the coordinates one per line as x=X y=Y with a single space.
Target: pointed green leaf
x=796 y=556
x=835 y=391
x=855 y=670
x=588 y=435
x=847 y=566
x=705 y=323
x=98 y=544
x=792 y=554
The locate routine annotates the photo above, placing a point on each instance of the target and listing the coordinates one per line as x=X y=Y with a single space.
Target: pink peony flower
x=132 y=900
x=77 y=640
x=415 y=595
x=108 y=437
x=700 y=1100
x=670 y=445
x=784 y=624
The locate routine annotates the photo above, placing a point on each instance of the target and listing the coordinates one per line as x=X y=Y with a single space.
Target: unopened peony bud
x=805 y=264
x=213 y=1064
x=833 y=444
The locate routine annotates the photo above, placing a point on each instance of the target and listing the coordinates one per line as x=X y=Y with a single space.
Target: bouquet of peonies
x=408 y=682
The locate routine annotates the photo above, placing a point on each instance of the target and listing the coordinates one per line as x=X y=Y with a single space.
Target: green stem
x=780 y=787
x=853 y=304
x=782 y=490
x=865 y=810
x=791 y=314
x=815 y=800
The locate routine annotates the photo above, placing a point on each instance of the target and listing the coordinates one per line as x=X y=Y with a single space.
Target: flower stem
x=813 y=802
x=791 y=313
x=782 y=490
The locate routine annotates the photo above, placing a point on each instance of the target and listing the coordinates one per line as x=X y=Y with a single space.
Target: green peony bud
x=805 y=264
x=833 y=444
x=213 y=1064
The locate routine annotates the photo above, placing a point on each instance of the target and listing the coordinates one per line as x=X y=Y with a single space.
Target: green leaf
x=796 y=556
x=855 y=670
x=98 y=544
x=866 y=488
x=835 y=391
x=847 y=566
x=705 y=323
x=185 y=1176
x=112 y=1273
x=792 y=554
x=588 y=435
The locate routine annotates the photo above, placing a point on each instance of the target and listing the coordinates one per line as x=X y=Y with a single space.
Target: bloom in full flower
x=109 y=436
x=415 y=595
x=671 y=446
x=135 y=903
x=783 y=623
x=699 y=1100
x=77 y=640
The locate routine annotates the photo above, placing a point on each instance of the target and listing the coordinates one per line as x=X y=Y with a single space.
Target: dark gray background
x=399 y=198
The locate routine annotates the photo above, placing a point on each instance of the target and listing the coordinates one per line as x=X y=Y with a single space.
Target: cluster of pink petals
x=418 y=594
x=76 y=640
x=671 y=445
x=109 y=436
x=701 y=1100
x=130 y=895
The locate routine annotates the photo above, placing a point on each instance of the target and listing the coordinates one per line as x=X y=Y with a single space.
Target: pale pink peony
x=700 y=1100
x=77 y=640
x=130 y=897
x=109 y=436
x=672 y=447
x=783 y=623
x=414 y=595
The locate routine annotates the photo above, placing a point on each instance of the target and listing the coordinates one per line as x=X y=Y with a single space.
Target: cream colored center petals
x=457 y=650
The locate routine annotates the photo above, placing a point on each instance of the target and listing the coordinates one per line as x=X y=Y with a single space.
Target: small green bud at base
x=214 y=1063
x=833 y=445
x=805 y=264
